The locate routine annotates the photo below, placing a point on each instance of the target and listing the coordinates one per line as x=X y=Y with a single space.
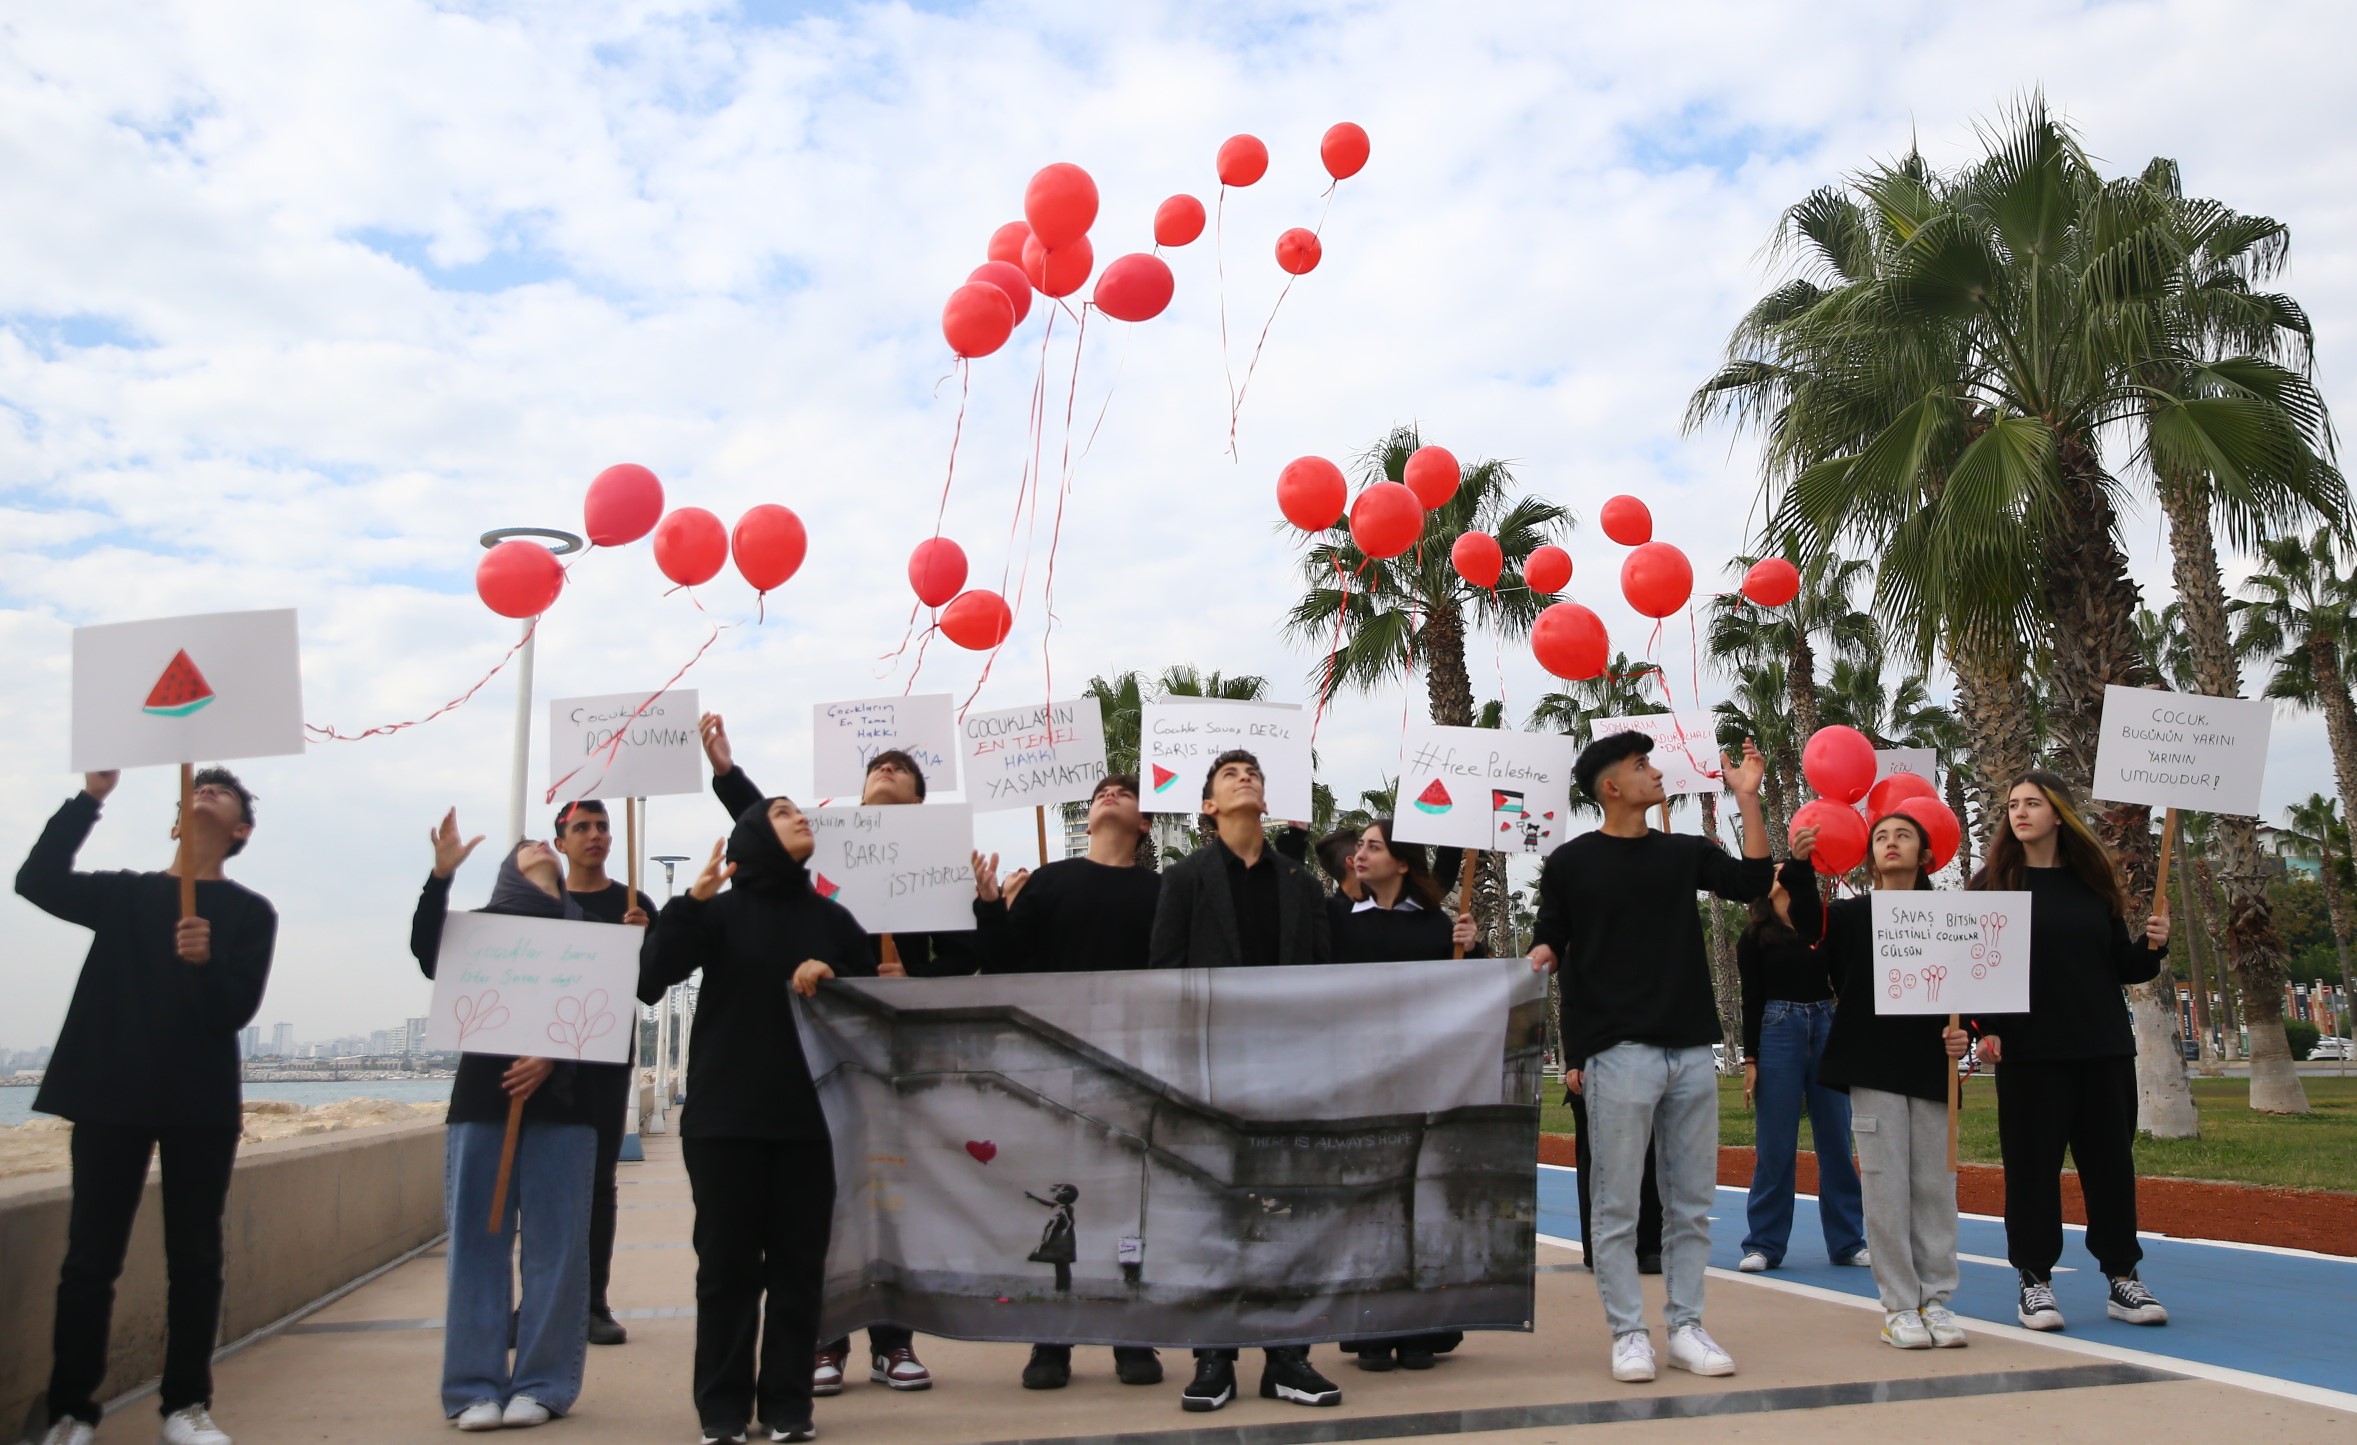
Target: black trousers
x=110 y=1174
x=764 y=1208
x=1649 y=1195
x=602 y=1203
x=882 y=1340
x=2089 y=1107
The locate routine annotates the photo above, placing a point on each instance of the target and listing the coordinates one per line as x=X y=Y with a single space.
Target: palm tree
x=1618 y=691
x=2300 y=614
x=1758 y=708
x=2317 y=832
x=1740 y=629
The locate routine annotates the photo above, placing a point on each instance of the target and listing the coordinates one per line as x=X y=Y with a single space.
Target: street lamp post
x=564 y=544
x=667 y=1017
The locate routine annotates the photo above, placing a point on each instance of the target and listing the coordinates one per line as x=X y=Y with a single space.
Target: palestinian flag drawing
x=827 y=888
x=1163 y=778
x=180 y=691
x=1434 y=799
x=1501 y=801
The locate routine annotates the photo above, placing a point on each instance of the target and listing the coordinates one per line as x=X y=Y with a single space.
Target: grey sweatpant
x=1637 y=1093
x=1910 y=1196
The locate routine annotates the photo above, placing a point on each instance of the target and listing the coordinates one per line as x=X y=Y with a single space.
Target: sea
x=16 y=1104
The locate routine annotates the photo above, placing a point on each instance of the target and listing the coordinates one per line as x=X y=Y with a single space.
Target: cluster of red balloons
x=1655 y=577
x=1242 y=161
x=977 y=620
x=1839 y=764
x=1048 y=251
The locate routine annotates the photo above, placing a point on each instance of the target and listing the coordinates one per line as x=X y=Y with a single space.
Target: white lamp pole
x=564 y=544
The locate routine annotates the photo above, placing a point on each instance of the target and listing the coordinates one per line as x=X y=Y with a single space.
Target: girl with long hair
x=2066 y=1075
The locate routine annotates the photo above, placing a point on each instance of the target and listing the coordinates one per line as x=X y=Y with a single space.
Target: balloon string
x=1708 y=764
x=605 y=754
x=1326 y=683
x=1497 y=638
x=329 y=734
x=941 y=509
x=1236 y=400
x=1219 y=257
x=1064 y=494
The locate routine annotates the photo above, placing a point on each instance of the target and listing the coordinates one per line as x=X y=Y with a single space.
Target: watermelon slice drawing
x=1163 y=778
x=1434 y=799
x=180 y=691
x=826 y=887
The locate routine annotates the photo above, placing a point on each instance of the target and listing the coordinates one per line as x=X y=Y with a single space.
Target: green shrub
x=2302 y=1037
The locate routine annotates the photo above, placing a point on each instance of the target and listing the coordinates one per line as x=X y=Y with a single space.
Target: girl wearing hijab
x=753 y=1137
x=556 y=1153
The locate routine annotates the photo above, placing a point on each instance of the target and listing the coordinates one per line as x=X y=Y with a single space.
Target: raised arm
x=48 y=880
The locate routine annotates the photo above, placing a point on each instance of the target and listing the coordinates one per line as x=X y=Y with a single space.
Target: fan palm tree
x=2318 y=832
x=2300 y=614
x=1759 y=708
x=1620 y=690
x=1822 y=611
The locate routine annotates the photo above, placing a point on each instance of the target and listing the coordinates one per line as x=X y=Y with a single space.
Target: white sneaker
x=523 y=1412
x=1863 y=1259
x=482 y=1415
x=1945 y=1332
x=793 y=1432
x=1695 y=1351
x=192 y=1425
x=70 y=1431
x=1632 y=1357
x=1754 y=1263
x=1906 y=1330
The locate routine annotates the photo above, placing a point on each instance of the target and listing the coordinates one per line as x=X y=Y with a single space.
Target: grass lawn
x=2314 y=1151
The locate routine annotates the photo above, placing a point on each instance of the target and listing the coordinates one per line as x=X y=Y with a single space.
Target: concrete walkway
x=364 y=1369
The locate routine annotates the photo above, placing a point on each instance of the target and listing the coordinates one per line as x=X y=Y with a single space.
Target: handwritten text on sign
x=624 y=745
x=846 y=736
x=2182 y=750
x=1922 y=762
x=1945 y=953
x=1684 y=748
x=908 y=868
x=1019 y=757
x=1180 y=737
x=1486 y=788
x=544 y=987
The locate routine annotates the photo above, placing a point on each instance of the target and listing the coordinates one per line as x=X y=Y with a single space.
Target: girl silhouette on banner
x=1057 y=1245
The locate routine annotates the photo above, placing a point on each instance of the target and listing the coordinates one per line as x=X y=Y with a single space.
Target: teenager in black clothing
x=2066 y=1070
x=1233 y=902
x=1335 y=852
x=147 y=1062
x=754 y=1139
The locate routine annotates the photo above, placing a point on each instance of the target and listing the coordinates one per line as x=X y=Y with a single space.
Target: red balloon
x=1547 y=570
x=1941 y=829
x=1570 y=642
x=1772 y=582
x=937 y=570
x=1385 y=521
x=978 y=620
x=519 y=578
x=769 y=545
x=1841 y=835
x=1006 y=243
x=691 y=546
x=1178 y=221
x=625 y=501
x=1839 y=763
x=1311 y=493
x=1062 y=271
x=1242 y=160
x=1298 y=252
x=1627 y=521
x=1884 y=797
x=1061 y=204
x=1479 y=559
x=1344 y=150
x=977 y=320
x=1008 y=276
x=1135 y=287
x=1657 y=579
x=1432 y=474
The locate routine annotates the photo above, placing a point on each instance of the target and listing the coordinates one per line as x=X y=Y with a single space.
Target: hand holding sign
x=1944 y=953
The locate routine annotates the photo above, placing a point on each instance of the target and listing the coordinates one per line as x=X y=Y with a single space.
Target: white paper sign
x=1685 y=748
x=1485 y=788
x=1946 y=953
x=1021 y=757
x=624 y=745
x=1922 y=762
x=1179 y=737
x=908 y=868
x=2182 y=750
x=545 y=987
x=846 y=736
x=195 y=689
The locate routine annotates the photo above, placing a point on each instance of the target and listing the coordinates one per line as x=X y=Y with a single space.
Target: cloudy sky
x=296 y=300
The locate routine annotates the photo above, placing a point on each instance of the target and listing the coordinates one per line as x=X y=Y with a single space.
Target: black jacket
x=1195 y=921
x=1074 y=915
x=149 y=1039
x=1405 y=934
x=1896 y=1053
x=2080 y=956
x=1781 y=967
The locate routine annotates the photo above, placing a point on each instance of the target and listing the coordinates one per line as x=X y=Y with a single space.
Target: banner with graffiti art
x=1182 y=1157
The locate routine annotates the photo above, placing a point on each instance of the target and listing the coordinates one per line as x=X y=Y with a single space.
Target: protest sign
x=1180 y=737
x=1922 y=762
x=846 y=736
x=547 y=987
x=2182 y=750
x=1021 y=757
x=907 y=868
x=1685 y=748
x=624 y=745
x=1951 y=953
x=1508 y=792
x=203 y=688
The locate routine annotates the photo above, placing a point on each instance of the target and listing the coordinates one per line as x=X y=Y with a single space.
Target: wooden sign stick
x=507 y=1161
x=1953 y=1085
x=1665 y=816
x=187 y=821
x=2160 y=887
x=1465 y=894
x=890 y=951
x=630 y=808
x=1039 y=813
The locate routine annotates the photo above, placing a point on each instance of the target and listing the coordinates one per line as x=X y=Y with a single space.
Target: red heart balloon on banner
x=982 y=1149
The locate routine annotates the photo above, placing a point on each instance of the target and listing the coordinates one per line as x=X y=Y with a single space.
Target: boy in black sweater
x=148 y=1061
x=1617 y=912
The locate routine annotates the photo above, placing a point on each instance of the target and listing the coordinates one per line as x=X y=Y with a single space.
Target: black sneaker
x=1376 y=1361
x=1213 y=1386
x=1289 y=1375
x=1137 y=1365
x=1415 y=1358
x=2132 y=1303
x=1050 y=1368
x=604 y=1329
x=1648 y=1264
x=2037 y=1310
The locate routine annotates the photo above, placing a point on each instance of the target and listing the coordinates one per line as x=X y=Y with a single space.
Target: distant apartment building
x=282 y=1040
x=249 y=1040
x=417 y=1036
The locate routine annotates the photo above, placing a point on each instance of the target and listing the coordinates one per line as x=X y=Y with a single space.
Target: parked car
x=2330 y=1047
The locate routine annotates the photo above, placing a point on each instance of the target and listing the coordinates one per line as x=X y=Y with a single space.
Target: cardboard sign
x=1020 y=757
x=197 y=689
x=846 y=736
x=543 y=987
x=901 y=869
x=1485 y=788
x=1685 y=748
x=624 y=745
x=1947 y=953
x=1922 y=762
x=1180 y=736
x=2182 y=750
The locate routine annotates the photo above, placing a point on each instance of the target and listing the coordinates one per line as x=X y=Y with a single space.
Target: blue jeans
x=550 y=1185
x=1636 y=1093
x=1792 y=1040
